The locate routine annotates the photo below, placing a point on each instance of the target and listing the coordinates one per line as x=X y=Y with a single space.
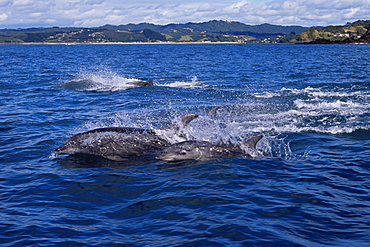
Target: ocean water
x=311 y=103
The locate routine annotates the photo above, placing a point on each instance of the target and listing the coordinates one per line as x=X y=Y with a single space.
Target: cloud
x=90 y=13
x=237 y=8
x=309 y=13
x=3 y=17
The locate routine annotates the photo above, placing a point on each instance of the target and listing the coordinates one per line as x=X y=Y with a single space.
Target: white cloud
x=239 y=7
x=309 y=13
x=35 y=15
x=3 y=17
x=89 y=13
x=22 y=2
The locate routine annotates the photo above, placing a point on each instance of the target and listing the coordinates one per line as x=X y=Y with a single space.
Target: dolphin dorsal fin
x=213 y=111
x=181 y=122
x=186 y=119
x=251 y=142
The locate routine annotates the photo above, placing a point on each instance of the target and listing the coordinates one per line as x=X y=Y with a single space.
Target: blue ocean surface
x=311 y=103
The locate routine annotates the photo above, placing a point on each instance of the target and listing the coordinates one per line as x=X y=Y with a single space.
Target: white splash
x=101 y=81
x=322 y=109
x=194 y=83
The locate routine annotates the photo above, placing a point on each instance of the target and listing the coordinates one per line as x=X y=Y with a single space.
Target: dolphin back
x=113 y=143
x=142 y=83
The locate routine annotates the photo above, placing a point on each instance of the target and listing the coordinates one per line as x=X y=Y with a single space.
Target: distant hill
x=335 y=34
x=212 y=31
x=221 y=27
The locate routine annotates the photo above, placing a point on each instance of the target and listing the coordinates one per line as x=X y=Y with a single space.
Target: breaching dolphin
x=202 y=150
x=118 y=143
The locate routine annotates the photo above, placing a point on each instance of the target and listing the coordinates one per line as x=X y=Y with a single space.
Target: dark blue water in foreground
x=311 y=102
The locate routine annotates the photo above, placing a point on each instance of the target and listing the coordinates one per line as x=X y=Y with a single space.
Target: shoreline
x=118 y=43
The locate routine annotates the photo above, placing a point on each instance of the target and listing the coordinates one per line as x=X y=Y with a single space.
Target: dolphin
x=203 y=150
x=213 y=111
x=141 y=83
x=118 y=143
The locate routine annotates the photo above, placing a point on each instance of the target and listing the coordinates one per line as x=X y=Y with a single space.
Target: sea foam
x=102 y=81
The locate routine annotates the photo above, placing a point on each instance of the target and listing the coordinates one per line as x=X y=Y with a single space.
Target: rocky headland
x=364 y=39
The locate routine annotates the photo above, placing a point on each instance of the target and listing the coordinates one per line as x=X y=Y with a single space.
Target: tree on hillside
x=153 y=36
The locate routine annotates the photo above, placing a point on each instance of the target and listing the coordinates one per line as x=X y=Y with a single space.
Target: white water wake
x=323 y=110
x=101 y=81
x=193 y=83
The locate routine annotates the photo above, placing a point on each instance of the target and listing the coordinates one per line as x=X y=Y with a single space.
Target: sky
x=94 y=13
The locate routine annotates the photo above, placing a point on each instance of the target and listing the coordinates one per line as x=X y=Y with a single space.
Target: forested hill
x=222 y=27
x=212 y=31
x=355 y=32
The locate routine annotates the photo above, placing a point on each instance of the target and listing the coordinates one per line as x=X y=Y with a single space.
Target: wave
x=193 y=83
x=313 y=92
x=101 y=81
x=326 y=110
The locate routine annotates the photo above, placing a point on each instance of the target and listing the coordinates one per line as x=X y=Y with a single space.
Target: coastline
x=118 y=43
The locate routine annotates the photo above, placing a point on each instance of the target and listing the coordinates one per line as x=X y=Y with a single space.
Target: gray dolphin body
x=118 y=143
x=202 y=150
x=142 y=83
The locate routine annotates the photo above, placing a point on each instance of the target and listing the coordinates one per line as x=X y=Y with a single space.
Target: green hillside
x=334 y=33
x=212 y=31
